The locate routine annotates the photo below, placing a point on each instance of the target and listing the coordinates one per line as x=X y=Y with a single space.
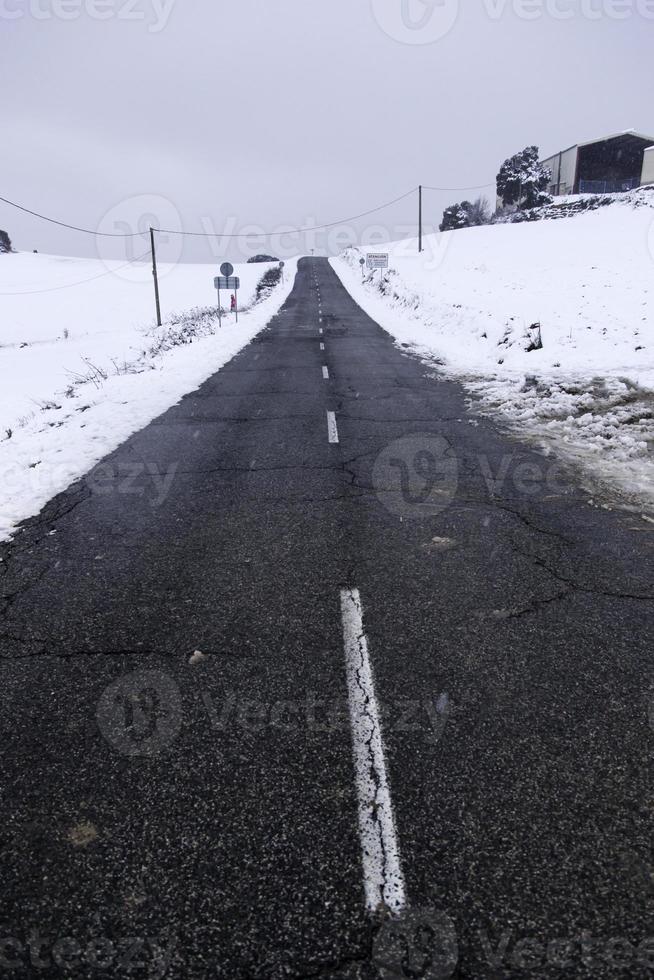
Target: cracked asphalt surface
x=162 y=817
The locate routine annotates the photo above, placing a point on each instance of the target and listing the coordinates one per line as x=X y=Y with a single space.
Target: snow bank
x=476 y=301
x=83 y=365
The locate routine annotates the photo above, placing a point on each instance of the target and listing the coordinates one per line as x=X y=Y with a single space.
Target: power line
x=453 y=190
x=62 y=224
x=69 y=285
x=291 y=231
x=203 y=234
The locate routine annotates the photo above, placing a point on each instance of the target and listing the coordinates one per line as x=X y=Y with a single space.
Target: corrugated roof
x=613 y=136
x=603 y=139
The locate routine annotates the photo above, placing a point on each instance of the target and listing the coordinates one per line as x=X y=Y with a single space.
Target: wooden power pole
x=420 y=218
x=155 y=277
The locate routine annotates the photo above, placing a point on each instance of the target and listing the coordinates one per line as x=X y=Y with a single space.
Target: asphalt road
x=200 y=819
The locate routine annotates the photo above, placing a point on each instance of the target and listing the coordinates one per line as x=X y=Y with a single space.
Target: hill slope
x=476 y=301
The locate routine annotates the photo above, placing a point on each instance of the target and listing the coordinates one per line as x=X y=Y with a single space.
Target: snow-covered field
x=83 y=365
x=470 y=304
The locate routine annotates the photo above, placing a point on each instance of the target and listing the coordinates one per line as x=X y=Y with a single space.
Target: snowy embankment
x=83 y=365
x=475 y=302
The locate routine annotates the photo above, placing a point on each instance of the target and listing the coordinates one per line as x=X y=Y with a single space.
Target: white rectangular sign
x=377 y=260
x=227 y=282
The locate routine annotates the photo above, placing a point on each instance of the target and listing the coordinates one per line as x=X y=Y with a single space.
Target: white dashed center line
x=382 y=871
x=332 y=429
x=325 y=373
x=322 y=347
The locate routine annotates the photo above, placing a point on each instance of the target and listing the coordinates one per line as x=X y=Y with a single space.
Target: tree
x=5 y=242
x=479 y=212
x=522 y=180
x=456 y=217
x=466 y=215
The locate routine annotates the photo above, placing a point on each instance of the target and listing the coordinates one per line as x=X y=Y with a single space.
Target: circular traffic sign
x=362 y=261
x=227 y=269
x=281 y=265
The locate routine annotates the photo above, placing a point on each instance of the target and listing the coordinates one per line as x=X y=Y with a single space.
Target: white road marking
x=382 y=871
x=325 y=372
x=332 y=429
x=322 y=347
x=320 y=331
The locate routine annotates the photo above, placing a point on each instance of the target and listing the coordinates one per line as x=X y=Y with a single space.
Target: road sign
x=362 y=261
x=227 y=282
x=281 y=265
x=377 y=260
x=227 y=269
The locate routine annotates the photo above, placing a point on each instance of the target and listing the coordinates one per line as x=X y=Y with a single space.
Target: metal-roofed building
x=603 y=166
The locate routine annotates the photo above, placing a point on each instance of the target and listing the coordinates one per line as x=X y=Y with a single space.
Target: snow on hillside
x=83 y=365
x=471 y=303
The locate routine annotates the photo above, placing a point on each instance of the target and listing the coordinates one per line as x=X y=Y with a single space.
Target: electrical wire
x=292 y=231
x=202 y=234
x=69 y=285
x=62 y=224
x=453 y=190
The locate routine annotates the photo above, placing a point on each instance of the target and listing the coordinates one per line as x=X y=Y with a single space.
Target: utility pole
x=420 y=218
x=154 y=275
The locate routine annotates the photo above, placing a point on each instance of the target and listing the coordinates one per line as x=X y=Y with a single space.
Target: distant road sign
x=227 y=269
x=227 y=282
x=377 y=260
x=281 y=265
x=362 y=261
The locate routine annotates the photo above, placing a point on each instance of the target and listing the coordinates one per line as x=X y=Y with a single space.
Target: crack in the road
x=570 y=587
x=529 y=523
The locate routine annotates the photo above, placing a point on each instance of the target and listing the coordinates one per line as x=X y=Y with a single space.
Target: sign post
x=232 y=283
x=227 y=281
x=362 y=262
x=377 y=260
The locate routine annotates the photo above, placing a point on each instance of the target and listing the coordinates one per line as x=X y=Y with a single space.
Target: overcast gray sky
x=221 y=116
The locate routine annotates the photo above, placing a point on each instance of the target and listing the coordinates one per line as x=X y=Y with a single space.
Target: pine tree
x=522 y=180
x=5 y=242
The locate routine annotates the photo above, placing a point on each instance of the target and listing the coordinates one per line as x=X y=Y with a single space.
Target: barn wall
x=568 y=164
x=648 y=167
